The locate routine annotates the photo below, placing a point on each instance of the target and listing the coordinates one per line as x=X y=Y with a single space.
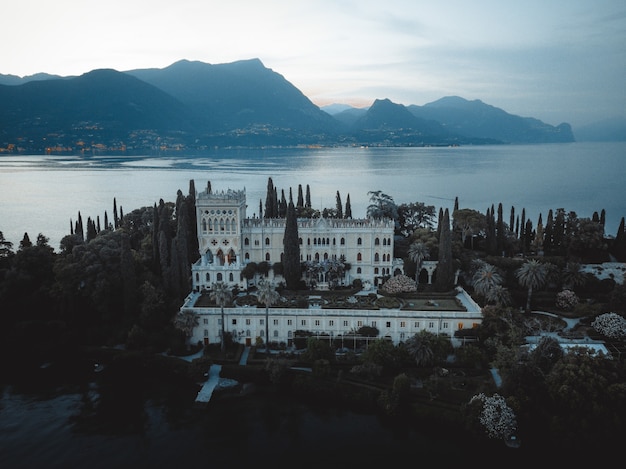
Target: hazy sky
x=557 y=60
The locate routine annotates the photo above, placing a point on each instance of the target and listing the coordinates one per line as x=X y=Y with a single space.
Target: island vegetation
x=112 y=293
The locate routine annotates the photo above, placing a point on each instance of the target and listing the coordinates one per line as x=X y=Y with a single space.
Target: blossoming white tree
x=611 y=325
x=496 y=416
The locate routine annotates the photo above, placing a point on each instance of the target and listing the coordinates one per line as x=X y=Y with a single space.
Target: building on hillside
x=229 y=242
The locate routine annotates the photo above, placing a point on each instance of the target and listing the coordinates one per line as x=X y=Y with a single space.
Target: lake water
x=41 y=194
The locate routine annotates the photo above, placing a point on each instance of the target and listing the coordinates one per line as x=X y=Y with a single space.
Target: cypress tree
x=548 y=239
x=291 y=259
x=348 y=213
x=91 y=229
x=500 y=231
x=512 y=219
x=307 y=202
x=445 y=266
x=339 y=206
x=116 y=220
x=456 y=204
x=269 y=199
x=300 y=203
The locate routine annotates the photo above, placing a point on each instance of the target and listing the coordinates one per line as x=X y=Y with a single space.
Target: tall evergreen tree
x=548 y=237
x=339 y=206
x=116 y=220
x=512 y=219
x=307 y=200
x=91 y=229
x=300 y=202
x=500 y=235
x=269 y=199
x=291 y=259
x=348 y=213
x=445 y=267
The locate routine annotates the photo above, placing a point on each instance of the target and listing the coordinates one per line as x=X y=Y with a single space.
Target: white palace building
x=229 y=240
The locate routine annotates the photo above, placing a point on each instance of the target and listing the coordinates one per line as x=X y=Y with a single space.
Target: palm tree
x=418 y=252
x=486 y=278
x=573 y=276
x=420 y=348
x=222 y=295
x=498 y=295
x=532 y=274
x=268 y=296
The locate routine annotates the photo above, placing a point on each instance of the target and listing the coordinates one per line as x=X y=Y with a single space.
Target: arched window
x=376 y=258
x=376 y=271
x=247 y=256
x=300 y=241
x=230 y=277
x=221 y=224
x=246 y=242
x=342 y=241
x=384 y=241
x=219 y=277
x=204 y=226
x=267 y=241
x=308 y=241
x=267 y=256
x=325 y=256
x=377 y=242
x=359 y=242
x=197 y=277
x=334 y=241
x=317 y=256
x=208 y=277
x=358 y=257
x=358 y=270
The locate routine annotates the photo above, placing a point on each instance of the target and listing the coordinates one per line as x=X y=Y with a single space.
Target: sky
x=555 y=60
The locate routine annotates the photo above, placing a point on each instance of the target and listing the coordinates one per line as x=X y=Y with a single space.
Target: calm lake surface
x=41 y=194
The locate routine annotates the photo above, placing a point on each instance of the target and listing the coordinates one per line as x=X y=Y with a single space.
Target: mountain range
x=194 y=106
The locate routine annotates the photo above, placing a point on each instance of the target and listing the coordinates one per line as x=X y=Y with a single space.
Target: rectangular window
x=359 y=323
x=276 y=322
x=444 y=325
x=402 y=324
x=345 y=324
x=205 y=321
x=388 y=324
x=431 y=325
x=247 y=322
x=303 y=322
x=373 y=323
x=331 y=323
x=262 y=322
x=317 y=322
x=234 y=322
x=289 y=322
x=417 y=324
x=206 y=333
